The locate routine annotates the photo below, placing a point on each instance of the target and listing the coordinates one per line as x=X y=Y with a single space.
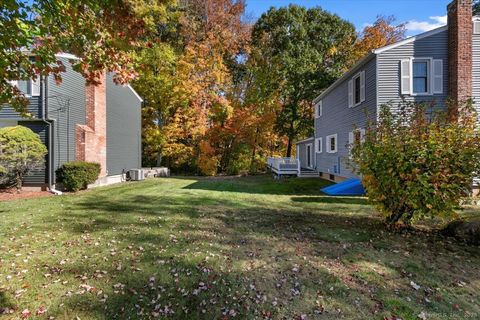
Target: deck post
x=298 y=168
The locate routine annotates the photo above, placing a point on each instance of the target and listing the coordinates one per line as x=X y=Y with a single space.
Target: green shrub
x=417 y=163
x=21 y=151
x=77 y=175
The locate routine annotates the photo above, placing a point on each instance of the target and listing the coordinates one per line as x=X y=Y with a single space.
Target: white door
x=309 y=156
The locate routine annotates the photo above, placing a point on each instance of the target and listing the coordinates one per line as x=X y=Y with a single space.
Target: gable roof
x=411 y=39
x=73 y=57
x=373 y=53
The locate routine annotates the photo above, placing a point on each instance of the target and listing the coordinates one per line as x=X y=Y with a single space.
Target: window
x=356 y=90
x=318 y=145
x=420 y=76
x=356 y=136
x=28 y=87
x=332 y=143
x=318 y=109
x=476 y=26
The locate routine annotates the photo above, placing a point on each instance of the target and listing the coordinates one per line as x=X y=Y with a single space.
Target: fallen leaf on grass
x=26 y=313
x=414 y=285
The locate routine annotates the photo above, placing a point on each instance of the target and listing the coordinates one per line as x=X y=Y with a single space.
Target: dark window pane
x=419 y=85
x=23 y=86
x=420 y=77
x=357 y=90
x=419 y=69
x=332 y=144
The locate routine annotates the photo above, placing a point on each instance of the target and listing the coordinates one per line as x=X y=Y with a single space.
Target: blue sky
x=419 y=15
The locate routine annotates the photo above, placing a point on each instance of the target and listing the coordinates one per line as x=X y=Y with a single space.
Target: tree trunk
x=254 y=151
x=19 y=183
x=291 y=136
x=158 y=160
x=289 y=148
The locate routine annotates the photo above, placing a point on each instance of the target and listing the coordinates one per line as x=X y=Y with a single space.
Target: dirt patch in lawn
x=7 y=195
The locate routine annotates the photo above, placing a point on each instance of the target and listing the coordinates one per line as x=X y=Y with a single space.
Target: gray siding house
x=77 y=121
x=430 y=67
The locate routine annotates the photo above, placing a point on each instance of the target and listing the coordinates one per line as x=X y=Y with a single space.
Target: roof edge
x=135 y=93
x=411 y=39
x=304 y=140
x=362 y=61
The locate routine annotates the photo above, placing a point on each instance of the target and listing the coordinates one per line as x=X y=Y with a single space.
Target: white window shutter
x=350 y=93
x=362 y=86
x=406 y=76
x=437 y=76
x=476 y=27
x=362 y=135
x=35 y=83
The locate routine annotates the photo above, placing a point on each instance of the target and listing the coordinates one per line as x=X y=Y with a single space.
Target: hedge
x=77 y=175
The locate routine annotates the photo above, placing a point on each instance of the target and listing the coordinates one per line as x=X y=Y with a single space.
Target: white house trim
x=67 y=56
x=411 y=39
x=135 y=93
x=328 y=143
x=304 y=140
x=346 y=75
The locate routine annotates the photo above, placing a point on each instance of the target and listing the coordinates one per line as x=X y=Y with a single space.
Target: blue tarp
x=351 y=187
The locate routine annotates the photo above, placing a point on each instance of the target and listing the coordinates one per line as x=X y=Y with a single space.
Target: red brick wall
x=460 y=31
x=91 y=144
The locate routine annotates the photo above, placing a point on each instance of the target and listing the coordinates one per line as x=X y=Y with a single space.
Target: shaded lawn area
x=244 y=248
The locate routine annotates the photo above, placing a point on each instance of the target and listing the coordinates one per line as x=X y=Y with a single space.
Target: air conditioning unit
x=136 y=174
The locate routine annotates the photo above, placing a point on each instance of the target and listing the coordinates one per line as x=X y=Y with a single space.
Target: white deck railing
x=284 y=165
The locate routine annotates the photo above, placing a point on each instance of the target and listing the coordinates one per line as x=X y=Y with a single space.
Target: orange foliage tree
x=381 y=33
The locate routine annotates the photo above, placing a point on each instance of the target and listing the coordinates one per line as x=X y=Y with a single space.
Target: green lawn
x=244 y=248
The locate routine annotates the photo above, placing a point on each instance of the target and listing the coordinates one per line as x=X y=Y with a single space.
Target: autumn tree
x=381 y=33
x=104 y=34
x=297 y=53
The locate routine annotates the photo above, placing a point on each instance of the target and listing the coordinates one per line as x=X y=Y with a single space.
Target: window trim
x=319 y=107
x=30 y=82
x=318 y=145
x=354 y=79
x=429 y=61
x=328 y=143
x=358 y=75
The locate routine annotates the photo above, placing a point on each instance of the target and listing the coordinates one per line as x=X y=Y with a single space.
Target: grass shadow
x=263 y=184
x=331 y=200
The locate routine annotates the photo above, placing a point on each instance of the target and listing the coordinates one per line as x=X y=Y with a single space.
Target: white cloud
x=434 y=22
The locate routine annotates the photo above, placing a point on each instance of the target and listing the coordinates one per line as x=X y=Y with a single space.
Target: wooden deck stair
x=308 y=173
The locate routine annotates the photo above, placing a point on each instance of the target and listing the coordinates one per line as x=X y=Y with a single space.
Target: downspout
x=50 y=122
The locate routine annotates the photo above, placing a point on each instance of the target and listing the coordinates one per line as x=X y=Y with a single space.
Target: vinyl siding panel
x=34 y=108
x=339 y=119
x=40 y=176
x=123 y=128
x=66 y=105
x=389 y=90
x=476 y=72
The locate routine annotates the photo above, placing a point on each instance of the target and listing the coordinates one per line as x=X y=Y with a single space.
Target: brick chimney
x=91 y=142
x=460 y=31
